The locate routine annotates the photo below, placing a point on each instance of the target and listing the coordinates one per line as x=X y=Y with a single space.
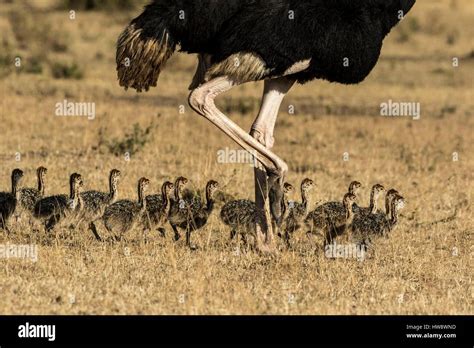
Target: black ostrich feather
x=342 y=39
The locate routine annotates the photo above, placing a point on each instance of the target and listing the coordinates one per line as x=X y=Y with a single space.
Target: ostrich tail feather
x=141 y=57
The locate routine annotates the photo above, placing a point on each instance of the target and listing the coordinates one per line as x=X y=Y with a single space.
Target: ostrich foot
x=264 y=242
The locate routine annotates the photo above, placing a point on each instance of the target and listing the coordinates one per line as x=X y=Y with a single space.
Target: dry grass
x=414 y=271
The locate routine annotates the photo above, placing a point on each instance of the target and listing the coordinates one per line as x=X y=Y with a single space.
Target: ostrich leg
x=201 y=100
x=262 y=130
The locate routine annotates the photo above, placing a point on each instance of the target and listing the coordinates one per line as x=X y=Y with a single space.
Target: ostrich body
x=282 y=42
x=241 y=214
x=366 y=227
x=341 y=223
x=336 y=206
x=51 y=210
x=176 y=205
x=122 y=216
x=95 y=202
x=158 y=207
x=298 y=210
x=375 y=192
x=388 y=200
x=195 y=213
x=30 y=195
x=326 y=215
x=323 y=215
x=9 y=201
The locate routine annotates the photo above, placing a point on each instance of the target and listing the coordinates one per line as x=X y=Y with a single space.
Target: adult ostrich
x=282 y=42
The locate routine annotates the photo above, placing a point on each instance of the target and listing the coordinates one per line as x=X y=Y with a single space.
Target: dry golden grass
x=425 y=267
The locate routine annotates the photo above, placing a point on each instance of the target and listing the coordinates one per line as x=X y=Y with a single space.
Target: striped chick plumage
x=95 y=202
x=241 y=215
x=124 y=215
x=29 y=196
x=158 y=207
x=55 y=208
x=365 y=228
x=298 y=210
x=9 y=201
x=195 y=213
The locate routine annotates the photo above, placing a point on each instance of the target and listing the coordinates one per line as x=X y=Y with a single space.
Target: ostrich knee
x=197 y=100
x=266 y=138
x=263 y=137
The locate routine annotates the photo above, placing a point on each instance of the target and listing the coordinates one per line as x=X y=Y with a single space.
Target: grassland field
x=331 y=133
